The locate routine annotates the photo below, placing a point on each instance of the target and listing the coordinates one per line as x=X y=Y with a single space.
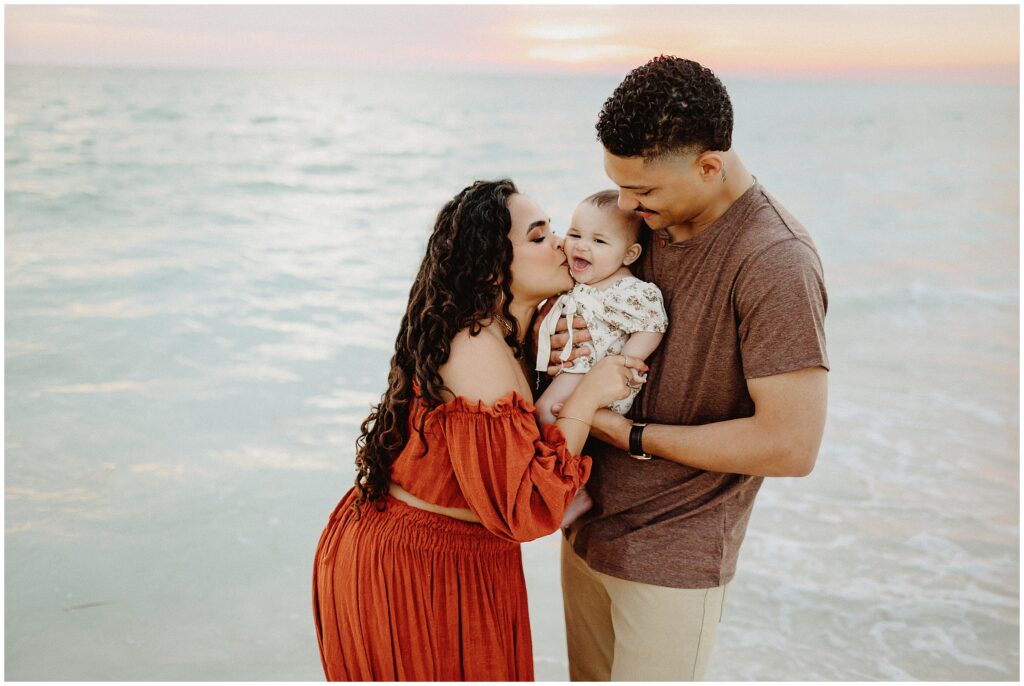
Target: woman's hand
x=612 y=379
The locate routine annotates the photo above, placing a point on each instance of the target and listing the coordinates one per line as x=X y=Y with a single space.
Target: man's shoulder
x=770 y=233
x=769 y=221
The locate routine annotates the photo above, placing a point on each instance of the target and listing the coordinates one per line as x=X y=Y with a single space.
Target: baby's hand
x=638 y=378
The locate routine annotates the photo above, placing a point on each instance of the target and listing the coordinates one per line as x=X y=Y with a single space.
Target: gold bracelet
x=576 y=419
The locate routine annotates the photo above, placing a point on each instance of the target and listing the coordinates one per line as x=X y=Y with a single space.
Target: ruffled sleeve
x=516 y=478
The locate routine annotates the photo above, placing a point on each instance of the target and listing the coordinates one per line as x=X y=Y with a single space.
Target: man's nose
x=627 y=203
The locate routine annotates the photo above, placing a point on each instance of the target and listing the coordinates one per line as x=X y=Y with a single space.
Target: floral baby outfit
x=626 y=307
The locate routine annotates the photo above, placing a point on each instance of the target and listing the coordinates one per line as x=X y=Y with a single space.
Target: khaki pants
x=620 y=630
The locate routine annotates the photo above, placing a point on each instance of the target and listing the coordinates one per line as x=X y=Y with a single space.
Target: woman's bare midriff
x=408 y=498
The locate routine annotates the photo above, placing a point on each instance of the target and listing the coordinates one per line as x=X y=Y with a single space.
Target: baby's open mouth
x=579 y=264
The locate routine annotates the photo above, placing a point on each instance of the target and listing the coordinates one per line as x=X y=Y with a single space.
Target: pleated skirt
x=409 y=595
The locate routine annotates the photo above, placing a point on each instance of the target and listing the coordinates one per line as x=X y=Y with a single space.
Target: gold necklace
x=506 y=325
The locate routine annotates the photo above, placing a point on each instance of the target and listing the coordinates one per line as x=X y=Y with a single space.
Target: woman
x=418 y=574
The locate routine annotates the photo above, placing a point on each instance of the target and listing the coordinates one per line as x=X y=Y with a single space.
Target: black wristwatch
x=636 y=443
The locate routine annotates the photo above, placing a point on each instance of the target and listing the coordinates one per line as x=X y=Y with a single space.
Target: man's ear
x=710 y=164
x=632 y=253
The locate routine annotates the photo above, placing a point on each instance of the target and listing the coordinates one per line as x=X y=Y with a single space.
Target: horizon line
x=1003 y=74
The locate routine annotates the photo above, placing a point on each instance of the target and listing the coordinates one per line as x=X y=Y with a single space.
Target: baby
x=624 y=314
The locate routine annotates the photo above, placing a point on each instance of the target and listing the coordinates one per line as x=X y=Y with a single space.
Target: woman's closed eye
x=541 y=237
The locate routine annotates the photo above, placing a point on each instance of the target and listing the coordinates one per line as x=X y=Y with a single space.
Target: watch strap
x=636 y=442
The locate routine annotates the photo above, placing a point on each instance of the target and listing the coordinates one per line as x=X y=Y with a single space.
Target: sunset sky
x=860 y=41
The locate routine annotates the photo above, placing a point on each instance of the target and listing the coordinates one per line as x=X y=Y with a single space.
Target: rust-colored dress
x=409 y=595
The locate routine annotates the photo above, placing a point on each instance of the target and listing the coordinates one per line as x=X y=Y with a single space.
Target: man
x=736 y=391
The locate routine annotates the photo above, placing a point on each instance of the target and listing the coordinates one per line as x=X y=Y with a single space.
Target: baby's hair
x=609 y=201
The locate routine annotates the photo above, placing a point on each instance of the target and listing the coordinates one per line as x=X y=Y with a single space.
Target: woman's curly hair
x=667 y=105
x=464 y=276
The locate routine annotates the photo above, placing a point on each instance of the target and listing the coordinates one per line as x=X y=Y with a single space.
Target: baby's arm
x=641 y=344
x=557 y=392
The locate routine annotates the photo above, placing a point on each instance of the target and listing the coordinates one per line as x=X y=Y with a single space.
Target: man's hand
x=580 y=334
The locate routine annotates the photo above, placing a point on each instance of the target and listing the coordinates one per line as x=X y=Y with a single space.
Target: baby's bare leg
x=559 y=391
x=580 y=504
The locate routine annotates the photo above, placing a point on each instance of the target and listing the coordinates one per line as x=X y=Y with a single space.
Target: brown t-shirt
x=745 y=299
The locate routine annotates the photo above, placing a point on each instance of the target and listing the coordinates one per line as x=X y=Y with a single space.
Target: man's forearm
x=736 y=446
x=781 y=439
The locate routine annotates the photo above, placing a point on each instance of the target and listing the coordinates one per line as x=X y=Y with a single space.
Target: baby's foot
x=580 y=504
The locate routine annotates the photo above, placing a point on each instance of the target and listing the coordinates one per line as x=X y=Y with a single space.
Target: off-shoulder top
x=494 y=460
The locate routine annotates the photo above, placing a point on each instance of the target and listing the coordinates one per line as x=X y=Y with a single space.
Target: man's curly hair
x=666 y=106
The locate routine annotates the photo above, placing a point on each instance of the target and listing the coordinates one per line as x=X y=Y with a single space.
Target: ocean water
x=204 y=275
